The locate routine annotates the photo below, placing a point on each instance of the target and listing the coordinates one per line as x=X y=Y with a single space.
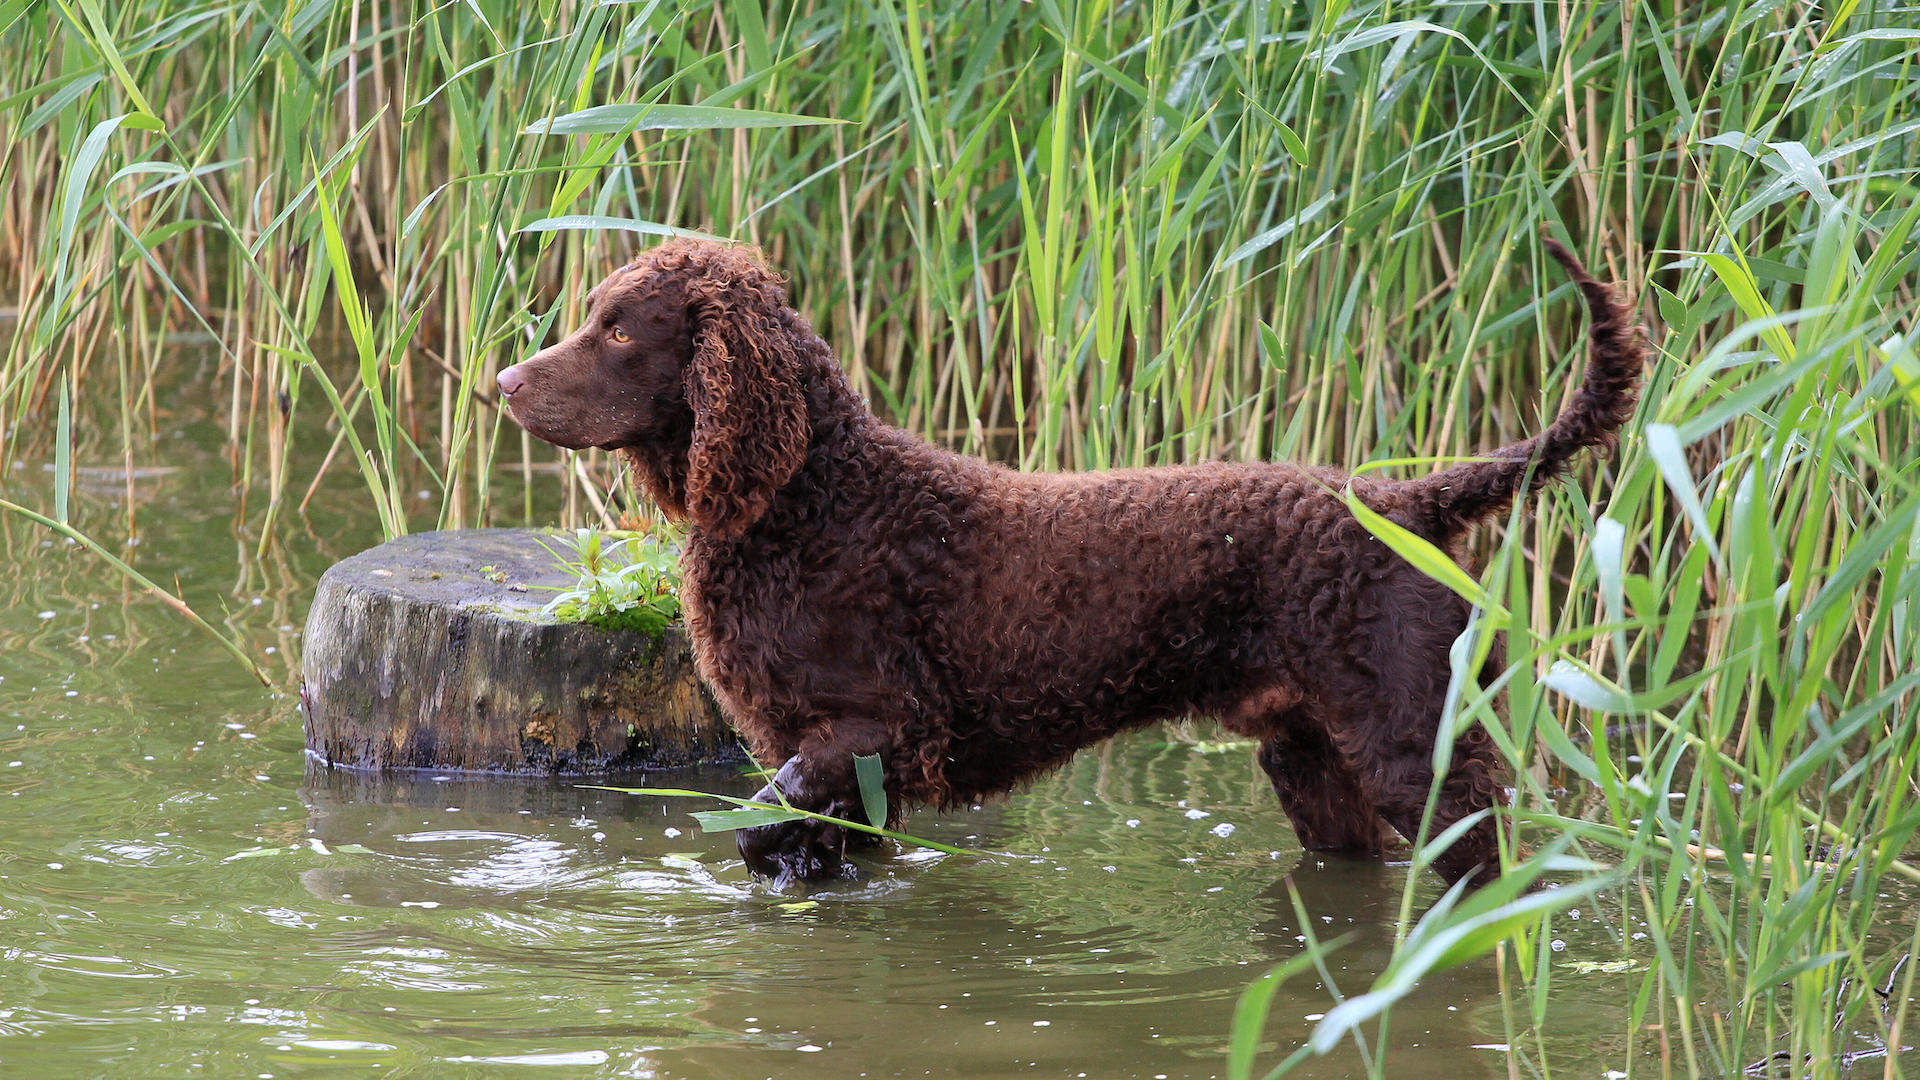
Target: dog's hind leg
x=1314 y=781
x=1394 y=764
x=1330 y=810
x=1383 y=679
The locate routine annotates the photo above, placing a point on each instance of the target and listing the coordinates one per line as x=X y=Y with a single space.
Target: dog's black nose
x=511 y=380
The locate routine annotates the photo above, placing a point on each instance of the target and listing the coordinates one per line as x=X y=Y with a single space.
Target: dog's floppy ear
x=749 y=414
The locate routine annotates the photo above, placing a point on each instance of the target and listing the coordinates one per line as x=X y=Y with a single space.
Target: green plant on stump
x=626 y=582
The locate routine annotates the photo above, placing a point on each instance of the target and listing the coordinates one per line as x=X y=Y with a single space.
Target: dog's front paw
x=789 y=852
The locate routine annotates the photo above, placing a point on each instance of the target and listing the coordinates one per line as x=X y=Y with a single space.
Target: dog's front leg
x=821 y=778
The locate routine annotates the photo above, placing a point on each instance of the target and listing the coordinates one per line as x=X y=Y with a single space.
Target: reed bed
x=1079 y=235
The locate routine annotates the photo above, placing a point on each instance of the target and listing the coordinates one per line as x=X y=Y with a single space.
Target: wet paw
x=795 y=851
x=790 y=852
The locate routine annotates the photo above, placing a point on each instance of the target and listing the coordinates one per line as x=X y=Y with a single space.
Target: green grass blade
x=621 y=119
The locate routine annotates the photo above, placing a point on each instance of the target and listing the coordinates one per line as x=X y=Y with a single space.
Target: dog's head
x=689 y=359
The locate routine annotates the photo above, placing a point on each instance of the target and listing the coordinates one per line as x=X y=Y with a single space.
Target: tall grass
x=1086 y=234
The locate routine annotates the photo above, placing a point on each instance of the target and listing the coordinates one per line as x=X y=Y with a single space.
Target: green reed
x=1075 y=235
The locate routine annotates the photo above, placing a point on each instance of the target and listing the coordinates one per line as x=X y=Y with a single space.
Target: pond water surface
x=182 y=894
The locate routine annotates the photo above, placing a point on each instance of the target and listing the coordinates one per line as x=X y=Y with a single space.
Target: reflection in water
x=1110 y=934
x=187 y=916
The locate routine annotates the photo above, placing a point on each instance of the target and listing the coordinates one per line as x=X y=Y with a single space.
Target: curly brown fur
x=852 y=590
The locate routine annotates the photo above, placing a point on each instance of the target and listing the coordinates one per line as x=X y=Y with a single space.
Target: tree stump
x=418 y=658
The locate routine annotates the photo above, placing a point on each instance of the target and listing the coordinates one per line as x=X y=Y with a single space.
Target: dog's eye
x=620 y=336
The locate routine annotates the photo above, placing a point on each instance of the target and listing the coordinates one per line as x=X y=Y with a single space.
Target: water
x=181 y=894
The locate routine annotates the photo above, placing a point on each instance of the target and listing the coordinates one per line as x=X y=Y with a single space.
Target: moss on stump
x=431 y=652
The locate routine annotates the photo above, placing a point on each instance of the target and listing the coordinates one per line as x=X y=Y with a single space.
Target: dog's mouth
x=514 y=407
x=546 y=433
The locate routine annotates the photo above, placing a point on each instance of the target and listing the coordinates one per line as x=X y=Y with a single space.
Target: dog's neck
x=661 y=472
x=835 y=410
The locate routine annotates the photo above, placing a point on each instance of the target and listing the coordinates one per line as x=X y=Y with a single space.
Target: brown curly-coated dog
x=851 y=589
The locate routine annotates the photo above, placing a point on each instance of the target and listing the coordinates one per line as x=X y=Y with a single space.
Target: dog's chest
x=779 y=630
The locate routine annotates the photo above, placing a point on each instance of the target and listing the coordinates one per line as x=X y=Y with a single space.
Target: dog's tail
x=1446 y=504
